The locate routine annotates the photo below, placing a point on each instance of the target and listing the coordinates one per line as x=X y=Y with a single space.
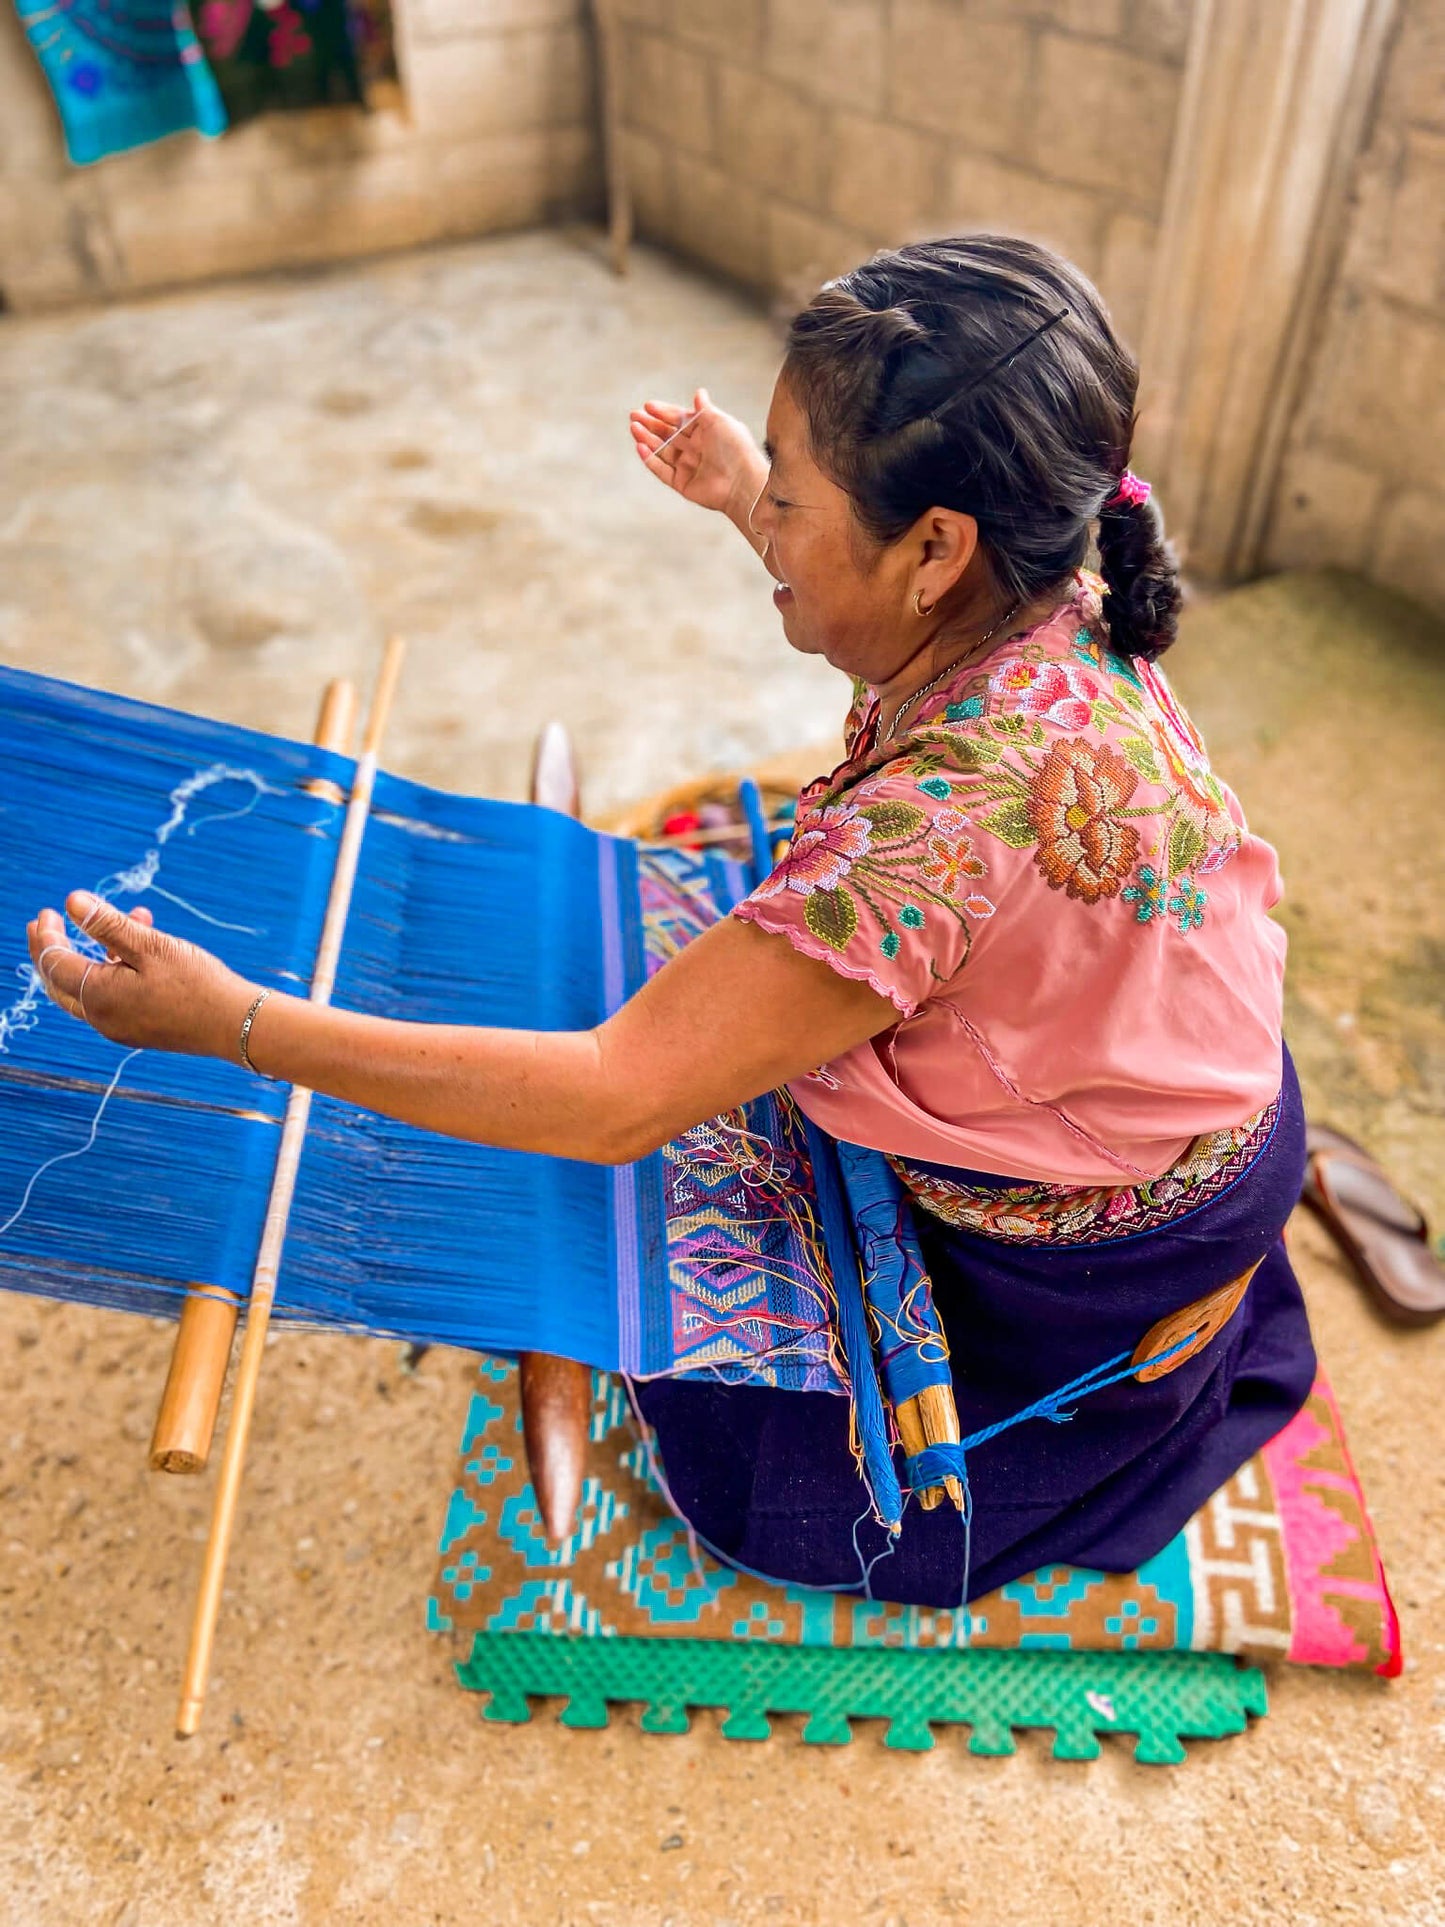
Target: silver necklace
x=944 y=674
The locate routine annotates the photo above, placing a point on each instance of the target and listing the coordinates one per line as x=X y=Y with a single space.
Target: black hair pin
x=1001 y=361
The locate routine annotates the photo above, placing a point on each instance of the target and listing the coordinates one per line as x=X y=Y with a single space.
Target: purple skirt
x=768 y=1481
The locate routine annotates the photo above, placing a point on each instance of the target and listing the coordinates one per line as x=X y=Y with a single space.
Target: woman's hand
x=708 y=456
x=152 y=992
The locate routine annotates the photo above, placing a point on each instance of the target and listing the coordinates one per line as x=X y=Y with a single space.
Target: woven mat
x=1281 y=1563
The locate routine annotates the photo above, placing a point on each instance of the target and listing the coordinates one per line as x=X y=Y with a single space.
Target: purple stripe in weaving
x=628 y=1281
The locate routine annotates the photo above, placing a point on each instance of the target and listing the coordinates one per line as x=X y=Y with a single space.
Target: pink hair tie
x=1129 y=490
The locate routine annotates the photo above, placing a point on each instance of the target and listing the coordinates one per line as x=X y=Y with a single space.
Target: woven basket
x=778 y=781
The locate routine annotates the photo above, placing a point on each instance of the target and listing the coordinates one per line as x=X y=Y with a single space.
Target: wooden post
x=1271 y=118
x=186 y=1420
x=278 y=1211
x=556 y=1392
x=614 y=158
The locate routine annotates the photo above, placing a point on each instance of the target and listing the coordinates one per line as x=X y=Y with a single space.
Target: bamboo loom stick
x=614 y=157
x=186 y=1418
x=556 y=1392
x=273 y=1234
x=930 y=1417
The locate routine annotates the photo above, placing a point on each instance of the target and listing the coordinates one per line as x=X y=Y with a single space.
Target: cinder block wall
x=1363 y=481
x=498 y=132
x=782 y=140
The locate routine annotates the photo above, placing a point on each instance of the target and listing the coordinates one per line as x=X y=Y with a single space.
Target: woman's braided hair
x=982 y=374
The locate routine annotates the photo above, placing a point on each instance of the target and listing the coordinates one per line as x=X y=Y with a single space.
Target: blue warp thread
x=912 y=1348
x=394 y=1230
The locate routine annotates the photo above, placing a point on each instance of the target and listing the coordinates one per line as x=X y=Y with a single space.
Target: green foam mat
x=1161 y=1699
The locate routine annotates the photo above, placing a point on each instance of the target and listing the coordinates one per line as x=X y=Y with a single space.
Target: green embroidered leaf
x=892 y=820
x=1186 y=845
x=976 y=753
x=832 y=916
x=1001 y=786
x=926 y=760
x=1011 y=825
x=1011 y=726
x=1138 y=752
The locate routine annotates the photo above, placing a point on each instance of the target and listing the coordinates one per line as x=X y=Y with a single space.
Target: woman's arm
x=736 y=1013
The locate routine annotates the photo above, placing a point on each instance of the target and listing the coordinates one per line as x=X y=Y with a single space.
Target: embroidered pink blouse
x=1063 y=902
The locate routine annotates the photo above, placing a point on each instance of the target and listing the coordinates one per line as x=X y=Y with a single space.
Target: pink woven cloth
x=1063 y=902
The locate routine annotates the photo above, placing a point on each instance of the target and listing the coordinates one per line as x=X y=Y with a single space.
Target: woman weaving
x=1020 y=944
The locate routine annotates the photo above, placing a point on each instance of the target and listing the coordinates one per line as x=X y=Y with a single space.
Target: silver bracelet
x=246 y=1023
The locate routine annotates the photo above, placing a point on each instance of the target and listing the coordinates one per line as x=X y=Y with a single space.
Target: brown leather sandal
x=1384 y=1236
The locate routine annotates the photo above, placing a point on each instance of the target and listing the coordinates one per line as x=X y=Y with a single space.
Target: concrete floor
x=218 y=500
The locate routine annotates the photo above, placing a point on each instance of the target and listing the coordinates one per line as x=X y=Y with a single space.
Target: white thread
x=24 y=1014
x=245 y=929
x=865 y=1569
x=64 y=950
x=64 y=1156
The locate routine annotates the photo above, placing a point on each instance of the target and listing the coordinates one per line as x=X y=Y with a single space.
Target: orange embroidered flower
x=1085 y=848
x=947 y=861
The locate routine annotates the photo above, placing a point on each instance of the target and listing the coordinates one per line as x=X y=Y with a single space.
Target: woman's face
x=841 y=596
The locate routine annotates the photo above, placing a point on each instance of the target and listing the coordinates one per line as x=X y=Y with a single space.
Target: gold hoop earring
x=918 y=608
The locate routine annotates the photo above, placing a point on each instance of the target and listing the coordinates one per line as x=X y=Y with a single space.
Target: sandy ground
x=215 y=501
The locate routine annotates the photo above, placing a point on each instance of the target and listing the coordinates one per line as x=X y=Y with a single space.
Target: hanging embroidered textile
x=296 y=53
x=123 y=72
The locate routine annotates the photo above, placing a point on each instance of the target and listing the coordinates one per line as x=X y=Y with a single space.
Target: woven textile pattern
x=1065 y=1214
x=749 y=1284
x=1281 y=1563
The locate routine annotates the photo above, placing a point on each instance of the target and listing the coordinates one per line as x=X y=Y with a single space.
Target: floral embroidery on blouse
x=1076 y=800
x=884 y=866
x=1078 y=759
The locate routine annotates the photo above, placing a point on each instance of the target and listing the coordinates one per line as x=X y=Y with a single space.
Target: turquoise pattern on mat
x=1052 y=1591
x=481 y=1414
x=644 y=1574
x=547 y=1606
x=661 y=1574
x=123 y=72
